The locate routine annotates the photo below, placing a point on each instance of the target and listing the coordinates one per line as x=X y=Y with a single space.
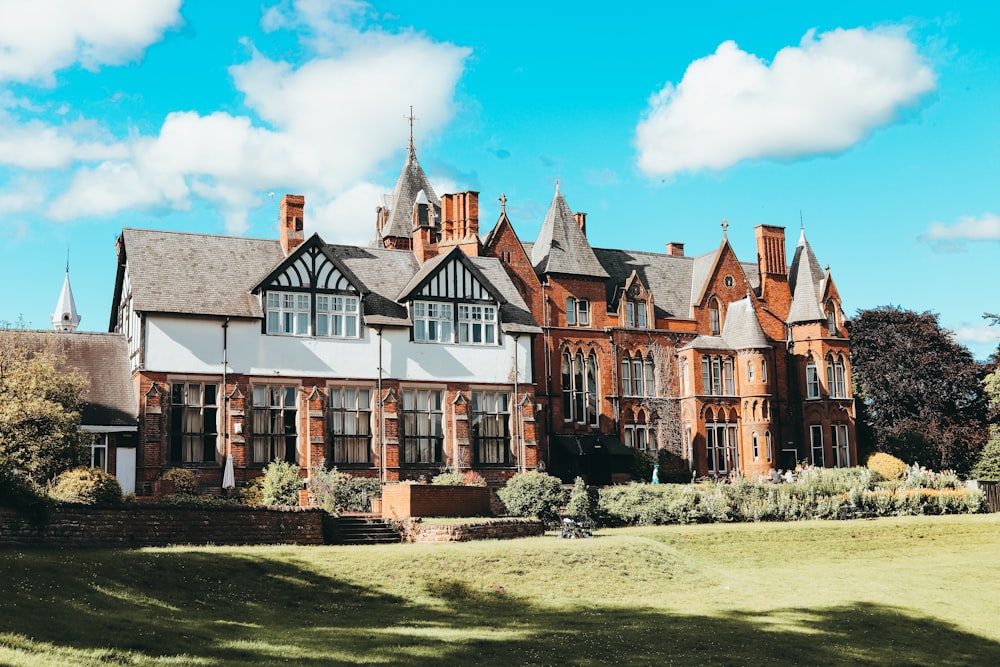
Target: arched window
x=592 y=411
x=836 y=381
x=638 y=433
x=750 y=371
x=567 y=386
x=755 y=445
x=763 y=370
x=579 y=388
x=626 y=375
x=570 y=311
x=647 y=367
x=812 y=380
x=720 y=443
x=714 y=318
x=767 y=443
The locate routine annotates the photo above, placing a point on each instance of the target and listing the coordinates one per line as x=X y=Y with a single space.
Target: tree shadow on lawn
x=222 y=608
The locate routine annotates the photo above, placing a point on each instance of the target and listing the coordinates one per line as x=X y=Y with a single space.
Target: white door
x=125 y=468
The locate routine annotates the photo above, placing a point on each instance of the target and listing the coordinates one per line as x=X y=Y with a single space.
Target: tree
x=922 y=390
x=39 y=408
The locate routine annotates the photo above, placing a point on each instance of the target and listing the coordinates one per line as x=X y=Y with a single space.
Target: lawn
x=906 y=591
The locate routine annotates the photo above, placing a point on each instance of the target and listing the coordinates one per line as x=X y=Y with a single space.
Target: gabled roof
x=433 y=265
x=515 y=316
x=197 y=274
x=384 y=273
x=412 y=180
x=312 y=263
x=562 y=247
x=805 y=279
x=103 y=359
x=667 y=277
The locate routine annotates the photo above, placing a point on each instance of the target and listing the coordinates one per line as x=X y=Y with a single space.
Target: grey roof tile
x=195 y=274
x=668 y=278
x=742 y=329
x=805 y=279
x=412 y=180
x=562 y=247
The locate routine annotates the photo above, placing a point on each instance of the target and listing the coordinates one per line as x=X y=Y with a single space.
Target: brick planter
x=402 y=501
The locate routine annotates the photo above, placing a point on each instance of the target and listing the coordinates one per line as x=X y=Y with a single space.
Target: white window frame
x=841 y=446
x=816 y=448
x=350 y=424
x=836 y=380
x=433 y=322
x=640 y=436
x=423 y=409
x=337 y=315
x=287 y=313
x=477 y=324
x=583 y=312
x=812 y=380
x=722 y=454
x=99 y=452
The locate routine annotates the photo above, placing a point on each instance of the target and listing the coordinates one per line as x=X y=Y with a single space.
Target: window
x=717 y=376
x=831 y=319
x=337 y=316
x=194 y=430
x=579 y=388
x=835 y=379
x=720 y=442
x=577 y=312
x=756 y=446
x=287 y=313
x=99 y=452
x=816 y=444
x=432 y=321
x=767 y=443
x=841 y=447
x=640 y=436
x=750 y=371
x=274 y=424
x=637 y=376
x=635 y=314
x=812 y=380
x=422 y=426
x=350 y=425
x=490 y=427
x=477 y=325
x=713 y=316
x=763 y=370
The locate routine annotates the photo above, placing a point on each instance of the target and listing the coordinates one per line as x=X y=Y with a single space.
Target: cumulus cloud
x=978 y=334
x=40 y=37
x=968 y=228
x=37 y=145
x=822 y=96
x=329 y=123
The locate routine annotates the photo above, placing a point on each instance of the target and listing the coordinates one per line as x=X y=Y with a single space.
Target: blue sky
x=876 y=124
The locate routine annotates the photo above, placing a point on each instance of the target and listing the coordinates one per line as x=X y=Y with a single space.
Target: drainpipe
x=225 y=394
x=381 y=411
x=517 y=416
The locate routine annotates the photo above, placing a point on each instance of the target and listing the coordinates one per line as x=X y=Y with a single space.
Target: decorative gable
x=311 y=266
x=450 y=277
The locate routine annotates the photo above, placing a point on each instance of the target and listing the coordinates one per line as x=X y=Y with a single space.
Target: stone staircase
x=363 y=530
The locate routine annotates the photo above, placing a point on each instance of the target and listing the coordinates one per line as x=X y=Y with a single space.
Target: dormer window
x=477 y=325
x=288 y=313
x=714 y=319
x=337 y=316
x=433 y=322
x=635 y=314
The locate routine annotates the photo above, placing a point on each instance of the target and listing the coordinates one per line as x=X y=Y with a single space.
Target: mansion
x=441 y=345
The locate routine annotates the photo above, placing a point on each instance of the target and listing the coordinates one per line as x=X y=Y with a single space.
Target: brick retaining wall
x=150 y=525
x=494 y=529
x=400 y=501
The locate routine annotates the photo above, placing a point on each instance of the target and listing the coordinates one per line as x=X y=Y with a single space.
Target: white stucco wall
x=187 y=345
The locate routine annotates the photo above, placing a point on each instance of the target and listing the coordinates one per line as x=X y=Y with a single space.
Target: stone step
x=364 y=530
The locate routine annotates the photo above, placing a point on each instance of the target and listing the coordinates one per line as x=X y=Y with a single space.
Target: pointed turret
x=66 y=318
x=742 y=330
x=562 y=245
x=395 y=218
x=805 y=278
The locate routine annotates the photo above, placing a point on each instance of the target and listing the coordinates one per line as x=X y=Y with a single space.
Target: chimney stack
x=424 y=246
x=291 y=222
x=675 y=249
x=771 y=250
x=460 y=222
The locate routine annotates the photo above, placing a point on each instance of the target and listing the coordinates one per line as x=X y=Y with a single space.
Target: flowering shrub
x=338 y=492
x=886 y=466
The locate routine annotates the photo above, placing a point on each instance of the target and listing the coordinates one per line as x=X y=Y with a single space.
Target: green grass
x=907 y=591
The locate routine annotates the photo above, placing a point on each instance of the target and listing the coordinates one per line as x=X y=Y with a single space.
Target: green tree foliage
x=922 y=391
x=987 y=468
x=580 y=502
x=282 y=483
x=39 y=409
x=533 y=494
x=86 y=485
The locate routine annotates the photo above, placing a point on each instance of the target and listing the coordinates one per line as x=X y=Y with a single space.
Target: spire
x=805 y=278
x=66 y=318
x=398 y=208
x=562 y=246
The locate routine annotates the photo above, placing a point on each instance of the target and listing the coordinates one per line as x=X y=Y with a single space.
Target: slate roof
x=197 y=274
x=667 y=277
x=515 y=317
x=562 y=247
x=412 y=180
x=742 y=329
x=805 y=279
x=102 y=358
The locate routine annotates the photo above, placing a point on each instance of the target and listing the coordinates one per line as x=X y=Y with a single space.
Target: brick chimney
x=771 y=249
x=460 y=222
x=424 y=246
x=675 y=249
x=581 y=219
x=290 y=221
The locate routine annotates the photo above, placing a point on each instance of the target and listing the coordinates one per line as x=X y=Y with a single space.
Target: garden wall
x=400 y=501
x=147 y=526
x=493 y=529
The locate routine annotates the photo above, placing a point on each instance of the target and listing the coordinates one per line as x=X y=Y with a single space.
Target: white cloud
x=968 y=228
x=349 y=217
x=822 y=96
x=330 y=123
x=40 y=37
x=978 y=334
x=36 y=145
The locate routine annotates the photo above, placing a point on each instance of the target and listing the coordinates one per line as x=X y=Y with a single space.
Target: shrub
x=338 y=492
x=185 y=481
x=886 y=466
x=533 y=494
x=281 y=484
x=253 y=492
x=987 y=468
x=473 y=478
x=641 y=466
x=580 y=503
x=22 y=494
x=86 y=485
x=449 y=479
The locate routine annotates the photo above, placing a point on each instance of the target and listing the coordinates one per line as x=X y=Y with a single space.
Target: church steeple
x=66 y=318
